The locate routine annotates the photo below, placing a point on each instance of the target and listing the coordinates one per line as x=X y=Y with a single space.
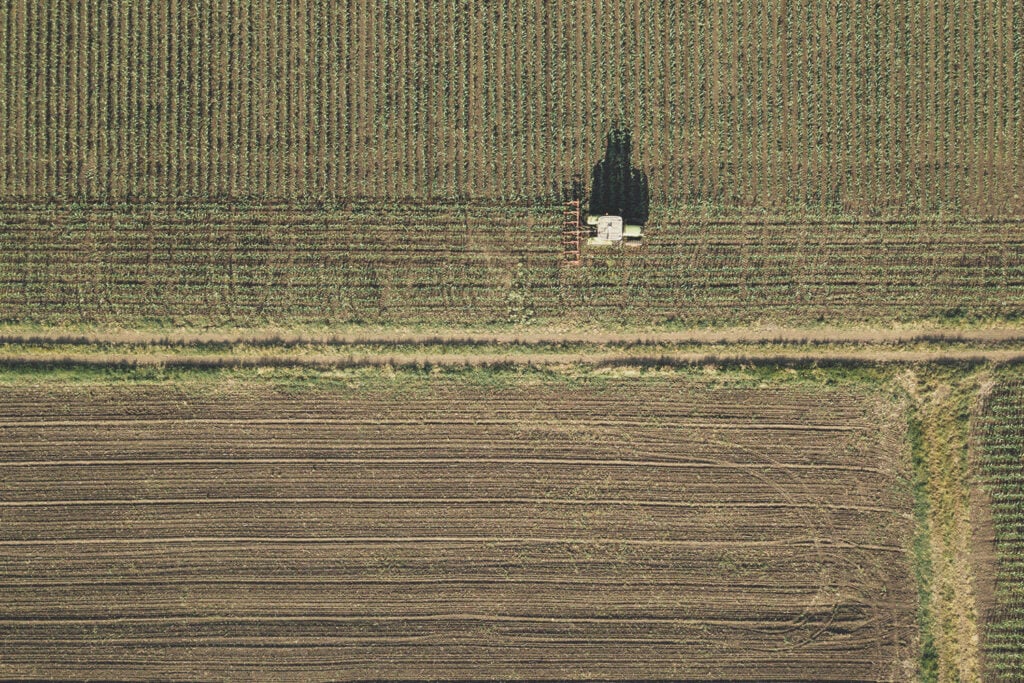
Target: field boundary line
x=447 y=337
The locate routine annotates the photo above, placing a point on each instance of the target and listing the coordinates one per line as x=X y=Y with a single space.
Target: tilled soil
x=647 y=529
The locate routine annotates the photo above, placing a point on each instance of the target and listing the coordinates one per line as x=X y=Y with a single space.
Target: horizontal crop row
x=420 y=264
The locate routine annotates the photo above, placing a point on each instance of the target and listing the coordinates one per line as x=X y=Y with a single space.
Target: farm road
x=542 y=336
x=381 y=347
x=319 y=360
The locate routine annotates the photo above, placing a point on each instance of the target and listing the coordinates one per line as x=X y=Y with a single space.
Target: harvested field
x=247 y=265
x=532 y=526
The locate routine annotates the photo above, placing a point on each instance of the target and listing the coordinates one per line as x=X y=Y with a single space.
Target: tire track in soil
x=702 y=593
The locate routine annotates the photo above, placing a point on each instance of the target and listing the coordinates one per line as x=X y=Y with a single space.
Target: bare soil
x=889 y=335
x=659 y=530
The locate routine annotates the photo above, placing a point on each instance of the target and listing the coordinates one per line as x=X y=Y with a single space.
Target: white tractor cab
x=611 y=230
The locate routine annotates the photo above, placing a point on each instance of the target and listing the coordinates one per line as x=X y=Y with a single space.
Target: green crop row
x=913 y=105
x=247 y=265
x=1001 y=439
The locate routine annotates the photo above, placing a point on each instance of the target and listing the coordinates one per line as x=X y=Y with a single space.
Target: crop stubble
x=664 y=529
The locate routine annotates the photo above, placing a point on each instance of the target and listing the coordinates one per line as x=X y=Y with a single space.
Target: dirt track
x=256 y=348
x=658 y=530
x=607 y=359
x=396 y=337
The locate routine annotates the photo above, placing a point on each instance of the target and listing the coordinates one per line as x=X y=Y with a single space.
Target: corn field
x=1002 y=475
x=909 y=105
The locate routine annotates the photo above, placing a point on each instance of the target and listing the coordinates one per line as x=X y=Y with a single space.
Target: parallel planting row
x=482 y=526
x=912 y=104
x=1001 y=438
x=199 y=264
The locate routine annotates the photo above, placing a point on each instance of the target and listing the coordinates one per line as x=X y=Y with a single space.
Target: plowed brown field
x=656 y=529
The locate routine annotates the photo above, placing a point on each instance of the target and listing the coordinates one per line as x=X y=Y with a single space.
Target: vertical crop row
x=1001 y=434
x=915 y=104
